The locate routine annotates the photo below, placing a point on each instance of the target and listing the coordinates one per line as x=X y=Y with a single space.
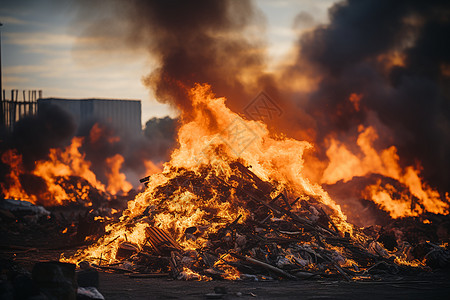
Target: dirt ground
x=117 y=286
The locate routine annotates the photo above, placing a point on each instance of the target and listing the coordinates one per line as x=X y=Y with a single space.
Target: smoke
x=161 y=132
x=34 y=136
x=193 y=41
x=102 y=141
x=214 y=42
x=396 y=54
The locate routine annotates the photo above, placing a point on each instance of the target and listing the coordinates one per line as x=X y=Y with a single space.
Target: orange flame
x=69 y=162
x=98 y=132
x=344 y=165
x=14 y=190
x=151 y=168
x=117 y=181
x=355 y=100
x=62 y=164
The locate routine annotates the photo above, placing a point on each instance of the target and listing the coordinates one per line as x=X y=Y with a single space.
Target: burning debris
x=234 y=204
x=236 y=201
x=282 y=238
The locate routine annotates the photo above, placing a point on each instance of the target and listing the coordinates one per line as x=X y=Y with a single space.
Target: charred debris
x=276 y=241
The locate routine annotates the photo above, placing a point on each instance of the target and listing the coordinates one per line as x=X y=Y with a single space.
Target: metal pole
x=2 y=116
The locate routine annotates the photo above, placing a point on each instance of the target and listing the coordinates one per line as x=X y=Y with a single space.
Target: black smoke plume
x=194 y=42
x=33 y=136
x=411 y=98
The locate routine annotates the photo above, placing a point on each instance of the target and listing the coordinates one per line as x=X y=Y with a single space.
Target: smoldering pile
x=282 y=237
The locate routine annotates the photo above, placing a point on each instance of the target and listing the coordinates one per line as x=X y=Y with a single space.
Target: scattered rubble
x=23 y=208
x=47 y=280
x=25 y=226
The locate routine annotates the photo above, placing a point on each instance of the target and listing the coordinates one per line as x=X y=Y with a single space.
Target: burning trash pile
x=233 y=203
x=65 y=177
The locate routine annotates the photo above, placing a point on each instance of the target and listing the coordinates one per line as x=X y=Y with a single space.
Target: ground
x=117 y=286
x=435 y=285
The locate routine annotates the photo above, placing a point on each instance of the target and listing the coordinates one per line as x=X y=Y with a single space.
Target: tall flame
x=213 y=137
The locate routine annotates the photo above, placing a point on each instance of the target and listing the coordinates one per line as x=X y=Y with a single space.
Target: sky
x=43 y=49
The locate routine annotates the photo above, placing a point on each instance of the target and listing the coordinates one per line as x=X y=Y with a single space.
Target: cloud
x=26 y=69
x=12 y=20
x=48 y=39
x=15 y=80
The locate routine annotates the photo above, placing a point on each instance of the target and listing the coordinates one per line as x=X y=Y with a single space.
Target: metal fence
x=16 y=107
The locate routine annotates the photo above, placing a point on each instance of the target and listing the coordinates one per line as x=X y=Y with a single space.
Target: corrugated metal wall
x=124 y=115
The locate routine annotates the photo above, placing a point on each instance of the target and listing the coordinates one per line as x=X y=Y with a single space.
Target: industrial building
x=124 y=115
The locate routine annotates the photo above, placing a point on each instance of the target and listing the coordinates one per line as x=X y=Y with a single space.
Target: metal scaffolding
x=13 y=109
